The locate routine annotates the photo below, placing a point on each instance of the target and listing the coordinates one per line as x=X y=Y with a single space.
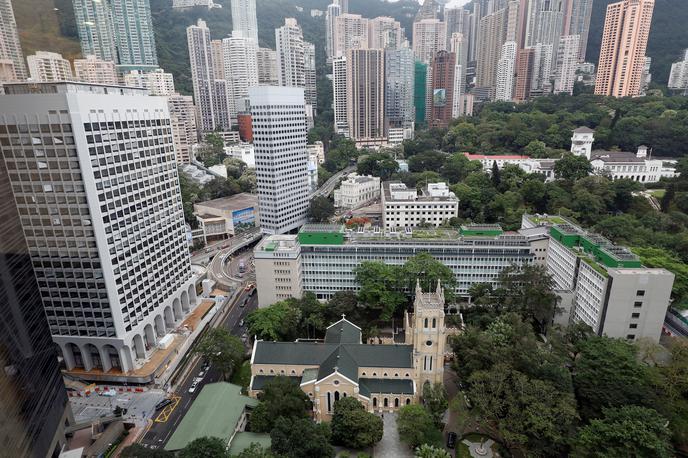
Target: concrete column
x=68 y=356
x=159 y=326
x=105 y=358
x=125 y=359
x=86 y=358
x=177 y=308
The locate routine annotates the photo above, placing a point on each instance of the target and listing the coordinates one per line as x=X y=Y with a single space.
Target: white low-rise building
x=404 y=207
x=526 y=163
x=396 y=135
x=318 y=150
x=244 y=152
x=357 y=190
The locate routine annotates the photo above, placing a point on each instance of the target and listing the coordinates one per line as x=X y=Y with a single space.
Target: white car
x=193 y=386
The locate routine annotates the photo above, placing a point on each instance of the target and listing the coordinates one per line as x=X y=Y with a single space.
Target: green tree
x=353 y=427
x=416 y=427
x=381 y=287
x=320 y=209
x=671 y=381
x=572 y=168
x=255 y=450
x=377 y=164
x=536 y=149
x=429 y=451
x=205 y=447
x=280 y=321
x=139 y=451
x=301 y=438
x=495 y=174
x=281 y=397
x=428 y=270
x=625 y=431
x=223 y=350
x=435 y=401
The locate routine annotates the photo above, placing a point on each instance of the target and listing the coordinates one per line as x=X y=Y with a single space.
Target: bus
x=242 y=267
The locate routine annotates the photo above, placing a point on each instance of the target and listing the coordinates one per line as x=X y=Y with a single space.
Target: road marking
x=167 y=411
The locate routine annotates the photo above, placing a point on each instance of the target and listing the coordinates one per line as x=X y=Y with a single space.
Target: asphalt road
x=160 y=431
x=327 y=187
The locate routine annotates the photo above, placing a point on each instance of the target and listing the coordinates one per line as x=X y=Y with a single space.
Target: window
x=640 y=292
x=428 y=343
x=635 y=315
x=630 y=336
x=637 y=304
x=633 y=326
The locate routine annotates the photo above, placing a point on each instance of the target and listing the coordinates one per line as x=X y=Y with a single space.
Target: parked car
x=451 y=439
x=162 y=404
x=194 y=385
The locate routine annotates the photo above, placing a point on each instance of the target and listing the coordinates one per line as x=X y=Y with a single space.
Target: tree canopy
x=281 y=398
x=352 y=426
x=223 y=350
x=416 y=427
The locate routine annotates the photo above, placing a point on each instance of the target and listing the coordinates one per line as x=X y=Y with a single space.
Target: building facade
x=678 y=78
x=429 y=37
x=340 y=98
x=333 y=11
x=357 y=190
x=93 y=70
x=183 y=122
x=134 y=37
x=278 y=269
x=385 y=33
x=443 y=81
x=45 y=67
x=96 y=31
x=266 y=59
x=351 y=32
x=244 y=18
x=566 y=63
x=365 y=88
x=10 y=47
x=399 y=86
x=227 y=216
x=157 y=82
x=110 y=256
x=506 y=69
x=403 y=207
x=241 y=68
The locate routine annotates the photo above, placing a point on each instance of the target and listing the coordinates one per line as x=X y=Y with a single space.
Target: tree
x=625 y=431
x=353 y=427
x=381 y=287
x=428 y=270
x=416 y=427
x=495 y=174
x=572 y=168
x=205 y=447
x=435 y=401
x=139 y=451
x=280 y=321
x=429 y=451
x=320 y=209
x=255 y=451
x=536 y=149
x=301 y=438
x=223 y=350
x=281 y=397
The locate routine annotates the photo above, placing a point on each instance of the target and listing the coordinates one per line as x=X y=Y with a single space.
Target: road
x=202 y=257
x=224 y=268
x=327 y=187
x=169 y=418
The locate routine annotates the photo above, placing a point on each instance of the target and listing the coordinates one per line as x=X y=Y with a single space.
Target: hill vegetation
x=47 y=25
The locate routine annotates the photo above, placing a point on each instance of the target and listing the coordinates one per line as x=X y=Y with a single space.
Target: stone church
x=382 y=377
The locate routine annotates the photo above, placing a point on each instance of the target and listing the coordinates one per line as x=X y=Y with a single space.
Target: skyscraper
x=365 y=88
x=622 y=53
x=420 y=89
x=442 y=100
x=310 y=81
x=566 y=63
x=218 y=55
x=577 y=22
x=429 y=37
x=267 y=67
x=96 y=32
x=339 y=95
x=244 y=18
x=385 y=33
x=458 y=21
x=183 y=122
x=343 y=4
x=278 y=115
x=95 y=71
x=505 y=72
x=10 y=48
x=241 y=68
x=157 y=82
x=351 y=32
x=290 y=54
x=428 y=10
x=524 y=74
x=495 y=29
x=333 y=11
x=110 y=254
x=678 y=78
x=133 y=31
x=49 y=66
x=33 y=398
x=459 y=46
x=399 y=85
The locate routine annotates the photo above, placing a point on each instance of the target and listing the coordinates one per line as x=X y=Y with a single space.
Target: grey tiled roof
x=368 y=386
x=259 y=381
x=299 y=353
x=343 y=331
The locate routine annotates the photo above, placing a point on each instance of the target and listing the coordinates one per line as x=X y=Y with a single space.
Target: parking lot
x=140 y=406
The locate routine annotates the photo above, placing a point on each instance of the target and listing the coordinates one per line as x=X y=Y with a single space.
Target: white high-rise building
x=183 y=121
x=244 y=18
x=678 y=78
x=577 y=22
x=47 y=67
x=267 y=67
x=96 y=32
x=339 y=95
x=429 y=36
x=290 y=54
x=365 y=74
x=350 y=32
x=542 y=68
x=95 y=71
x=279 y=138
x=567 y=62
x=333 y=11
x=10 y=48
x=505 y=72
x=241 y=68
x=399 y=86
x=385 y=33
x=310 y=83
x=110 y=253
x=134 y=38
x=157 y=82
x=459 y=46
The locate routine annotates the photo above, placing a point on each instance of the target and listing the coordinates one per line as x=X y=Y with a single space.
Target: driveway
x=391 y=446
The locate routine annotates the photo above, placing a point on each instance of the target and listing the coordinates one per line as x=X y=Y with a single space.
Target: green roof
x=385 y=386
x=243 y=440
x=481 y=230
x=215 y=412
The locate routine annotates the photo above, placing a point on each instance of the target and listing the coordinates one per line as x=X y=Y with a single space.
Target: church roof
x=343 y=331
x=368 y=386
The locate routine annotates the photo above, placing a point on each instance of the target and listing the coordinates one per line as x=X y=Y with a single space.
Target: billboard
x=243 y=219
x=439 y=97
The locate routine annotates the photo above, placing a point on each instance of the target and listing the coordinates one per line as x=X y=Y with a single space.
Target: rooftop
x=396 y=191
x=616 y=156
x=583 y=130
x=63 y=87
x=237 y=201
x=496 y=157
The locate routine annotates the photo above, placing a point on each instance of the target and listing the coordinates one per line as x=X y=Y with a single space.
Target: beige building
x=350 y=32
x=96 y=71
x=622 y=53
x=365 y=69
x=227 y=216
x=278 y=269
x=429 y=36
x=494 y=30
x=157 y=82
x=48 y=67
x=385 y=33
x=184 y=132
x=383 y=377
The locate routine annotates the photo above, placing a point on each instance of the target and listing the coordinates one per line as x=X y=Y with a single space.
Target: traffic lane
x=239 y=329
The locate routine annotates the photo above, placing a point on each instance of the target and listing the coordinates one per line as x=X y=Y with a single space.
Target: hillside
x=47 y=25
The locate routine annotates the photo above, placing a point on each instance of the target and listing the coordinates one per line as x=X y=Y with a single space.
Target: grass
x=39 y=28
x=549 y=219
x=657 y=193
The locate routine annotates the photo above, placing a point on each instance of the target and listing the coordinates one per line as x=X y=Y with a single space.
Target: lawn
x=657 y=193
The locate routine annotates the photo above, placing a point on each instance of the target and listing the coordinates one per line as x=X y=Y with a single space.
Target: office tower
x=459 y=46
x=577 y=22
x=223 y=104
x=420 y=89
x=241 y=68
x=206 y=91
x=310 y=87
x=218 y=55
x=343 y=4
x=546 y=22
x=278 y=115
x=95 y=71
x=524 y=74
x=385 y=33
x=495 y=29
x=442 y=100
x=33 y=398
x=157 y=82
x=505 y=72
x=458 y=21
x=678 y=78
x=333 y=11
x=244 y=18
x=290 y=54
x=429 y=37
x=134 y=39
x=542 y=69
x=365 y=87
x=339 y=95
x=428 y=10
x=266 y=60
x=183 y=122
x=622 y=53
x=96 y=32
x=350 y=32
x=110 y=255
x=399 y=86
x=10 y=47
x=567 y=62
x=49 y=66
